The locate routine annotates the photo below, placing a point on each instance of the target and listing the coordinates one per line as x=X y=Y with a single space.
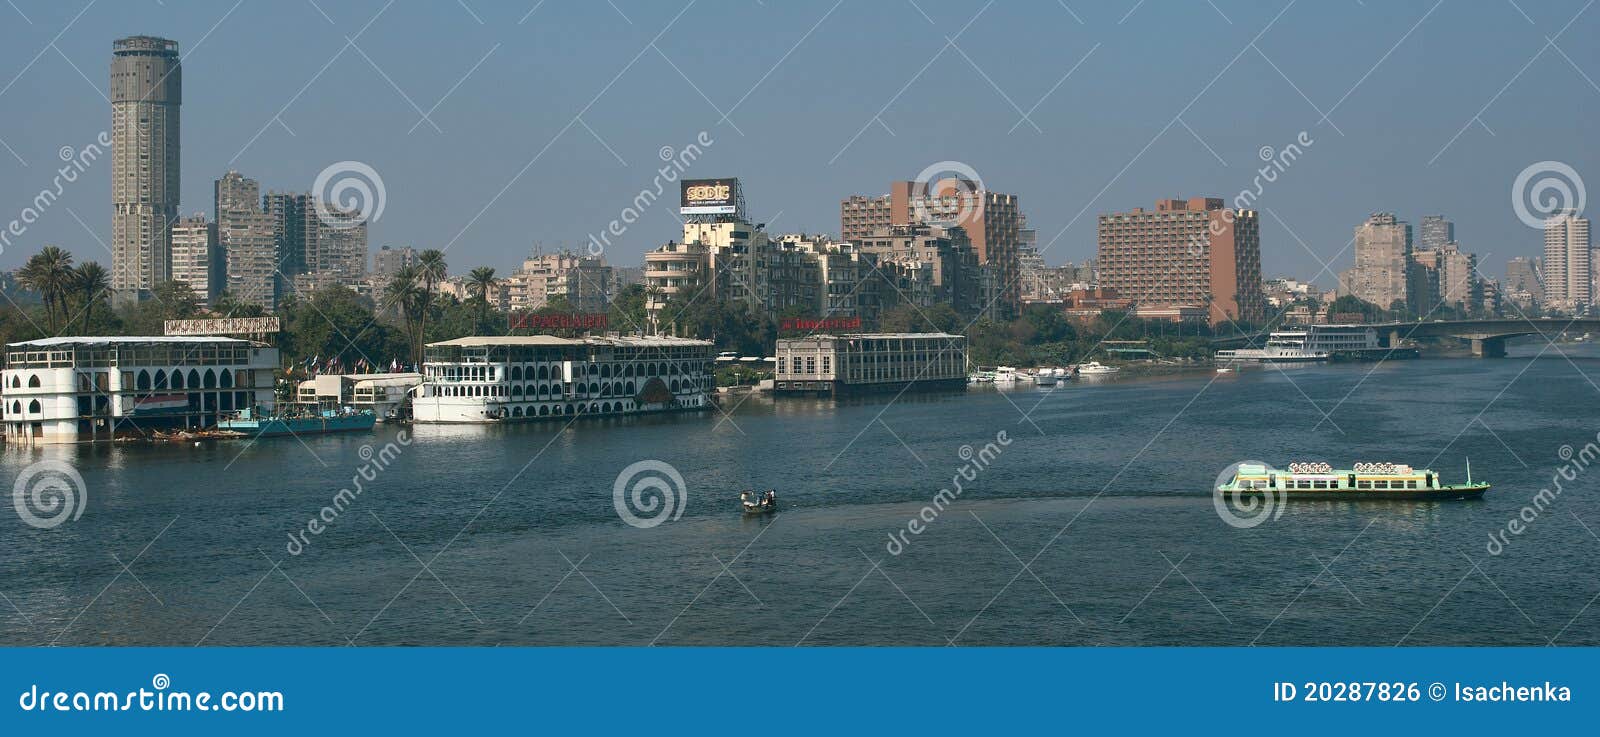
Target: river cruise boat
x=509 y=378
x=1362 y=481
x=1283 y=346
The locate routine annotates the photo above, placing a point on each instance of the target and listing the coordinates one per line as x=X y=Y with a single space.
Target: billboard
x=222 y=326
x=710 y=197
x=559 y=321
x=819 y=324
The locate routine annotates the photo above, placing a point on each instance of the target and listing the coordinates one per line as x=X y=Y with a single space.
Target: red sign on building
x=559 y=321
x=819 y=324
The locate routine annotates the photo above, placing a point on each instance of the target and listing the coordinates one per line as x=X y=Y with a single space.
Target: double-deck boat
x=1362 y=481
x=1283 y=346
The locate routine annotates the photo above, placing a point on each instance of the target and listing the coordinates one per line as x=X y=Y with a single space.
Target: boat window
x=1319 y=484
x=1363 y=484
x=1412 y=484
x=1380 y=484
x=1304 y=484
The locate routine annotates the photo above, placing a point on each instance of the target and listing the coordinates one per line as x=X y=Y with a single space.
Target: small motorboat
x=1043 y=377
x=753 y=503
x=1095 y=368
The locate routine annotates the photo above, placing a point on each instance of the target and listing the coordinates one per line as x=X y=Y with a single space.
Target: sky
x=496 y=127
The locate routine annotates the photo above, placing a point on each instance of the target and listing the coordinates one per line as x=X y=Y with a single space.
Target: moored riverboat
x=249 y=423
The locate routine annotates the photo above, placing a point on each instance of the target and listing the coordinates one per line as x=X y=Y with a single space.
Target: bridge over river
x=1488 y=336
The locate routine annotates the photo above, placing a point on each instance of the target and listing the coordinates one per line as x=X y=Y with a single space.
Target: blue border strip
x=970 y=691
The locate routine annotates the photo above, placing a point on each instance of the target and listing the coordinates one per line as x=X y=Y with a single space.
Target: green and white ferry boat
x=1363 y=481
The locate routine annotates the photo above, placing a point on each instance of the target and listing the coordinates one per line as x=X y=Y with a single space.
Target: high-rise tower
x=146 y=91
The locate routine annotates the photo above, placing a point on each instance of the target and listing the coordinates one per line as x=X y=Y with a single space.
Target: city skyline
x=487 y=175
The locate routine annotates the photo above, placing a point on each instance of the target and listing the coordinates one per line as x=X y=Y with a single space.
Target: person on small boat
x=771 y=498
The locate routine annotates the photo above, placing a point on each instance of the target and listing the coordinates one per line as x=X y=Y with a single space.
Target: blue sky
x=545 y=124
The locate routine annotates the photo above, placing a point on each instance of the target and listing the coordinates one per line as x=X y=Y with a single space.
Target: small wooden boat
x=762 y=504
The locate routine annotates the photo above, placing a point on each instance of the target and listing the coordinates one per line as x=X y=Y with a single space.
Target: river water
x=1090 y=523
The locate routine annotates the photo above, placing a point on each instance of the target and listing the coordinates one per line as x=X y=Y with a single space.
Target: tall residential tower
x=146 y=90
x=1568 y=281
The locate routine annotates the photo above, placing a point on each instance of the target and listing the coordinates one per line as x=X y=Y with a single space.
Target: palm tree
x=49 y=273
x=431 y=269
x=92 y=280
x=479 y=283
x=404 y=292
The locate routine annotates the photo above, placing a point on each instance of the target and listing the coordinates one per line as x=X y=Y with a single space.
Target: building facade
x=1434 y=232
x=1384 y=272
x=315 y=247
x=1459 y=285
x=1524 y=283
x=674 y=269
x=933 y=264
x=196 y=259
x=993 y=222
x=146 y=93
x=1194 y=253
x=246 y=237
x=518 y=378
x=585 y=283
x=870 y=362
x=1569 y=282
x=388 y=261
x=65 y=390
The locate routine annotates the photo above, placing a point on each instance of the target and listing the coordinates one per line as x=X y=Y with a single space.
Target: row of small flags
x=335 y=365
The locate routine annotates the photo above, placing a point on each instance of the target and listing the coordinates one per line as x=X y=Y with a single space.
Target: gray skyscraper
x=1384 y=272
x=1435 y=232
x=245 y=236
x=146 y=90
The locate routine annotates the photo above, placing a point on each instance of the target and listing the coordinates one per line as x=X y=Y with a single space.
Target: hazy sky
x=547 y=118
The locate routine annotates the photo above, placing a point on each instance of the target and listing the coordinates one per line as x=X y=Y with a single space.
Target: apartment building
x=1194 y=253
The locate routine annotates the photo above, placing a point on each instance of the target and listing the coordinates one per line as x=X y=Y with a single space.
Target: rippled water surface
x=1093 y=526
